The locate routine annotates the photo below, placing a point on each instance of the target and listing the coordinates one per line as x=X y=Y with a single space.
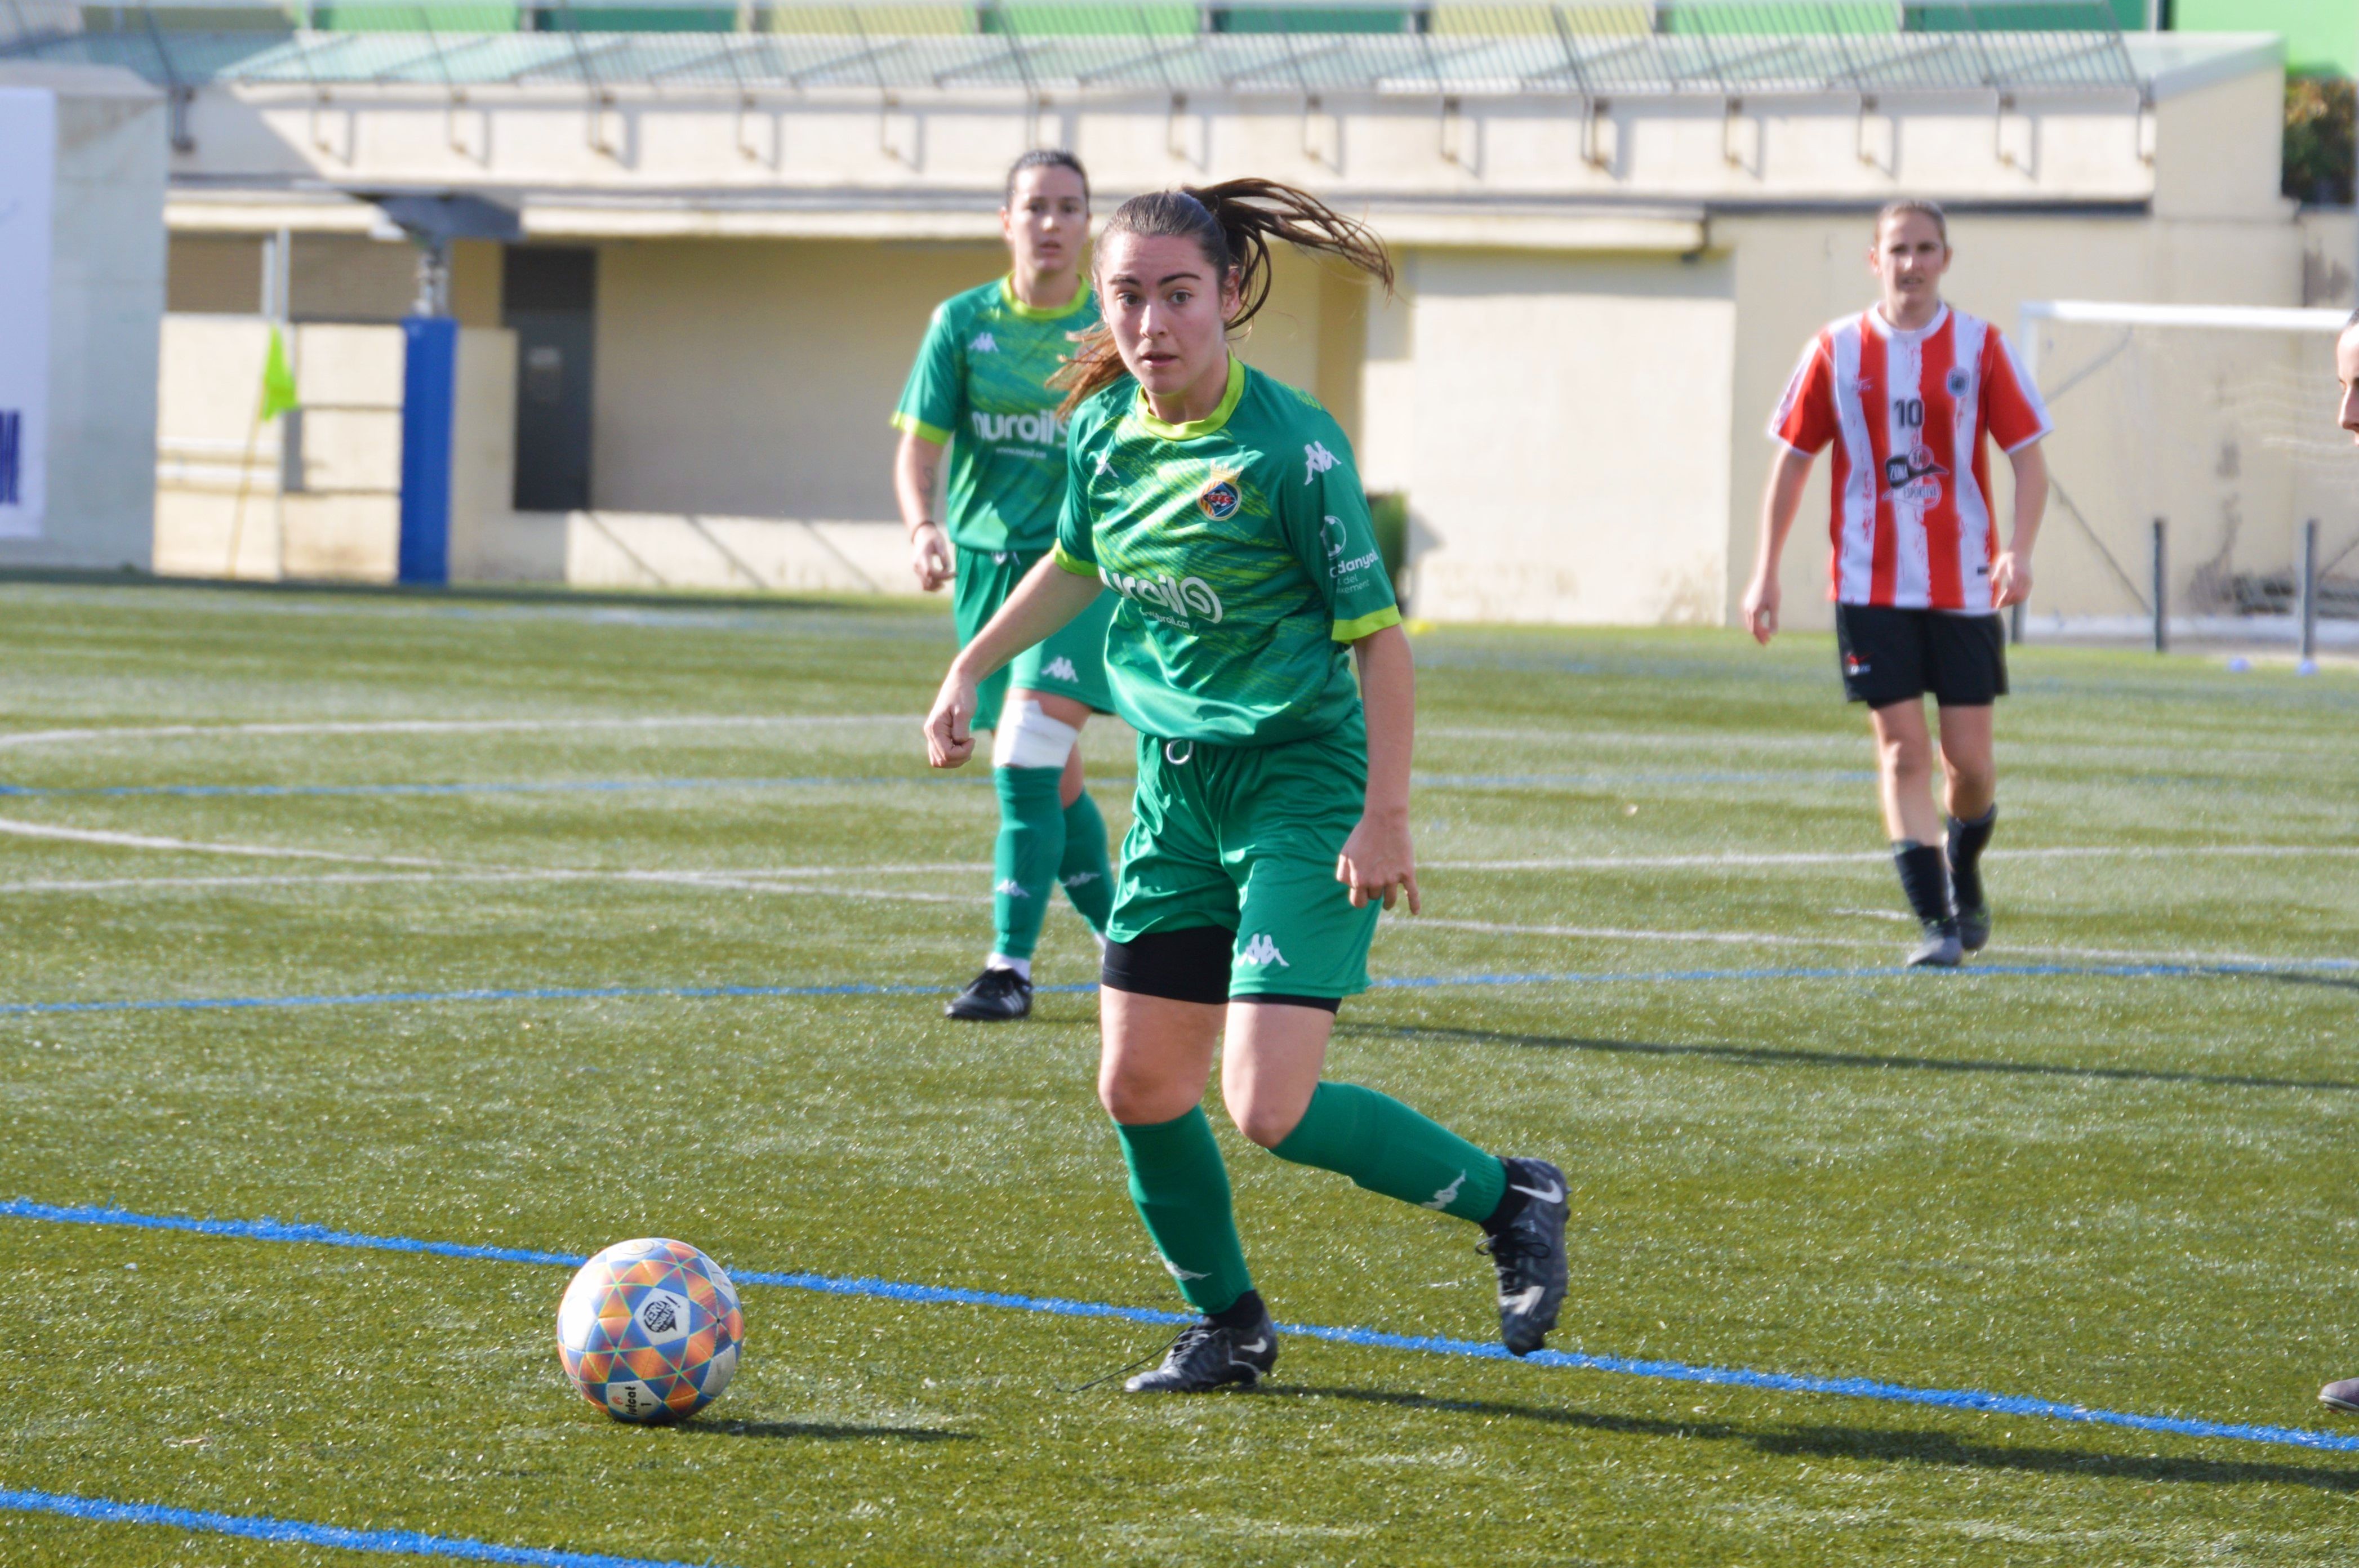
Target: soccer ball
x=650 y=1330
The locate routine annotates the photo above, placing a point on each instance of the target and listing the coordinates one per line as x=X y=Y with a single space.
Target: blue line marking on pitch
x=392 y=1542
x=528 y=786
x=1429 y=1345
x=1394 y=982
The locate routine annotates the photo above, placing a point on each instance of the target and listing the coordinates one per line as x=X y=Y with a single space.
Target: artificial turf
x=2118 y=1183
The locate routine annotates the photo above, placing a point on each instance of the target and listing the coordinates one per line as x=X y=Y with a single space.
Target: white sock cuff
x=1022 y=966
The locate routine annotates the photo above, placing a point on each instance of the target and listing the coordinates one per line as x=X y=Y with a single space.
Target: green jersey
x=1241 y=548
x=979 y=384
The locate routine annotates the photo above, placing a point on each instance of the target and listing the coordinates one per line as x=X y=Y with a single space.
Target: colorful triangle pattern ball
x=650 y=1330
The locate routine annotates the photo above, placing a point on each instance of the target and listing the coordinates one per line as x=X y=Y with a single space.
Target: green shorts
x=1246 y=838
x=1069 y=664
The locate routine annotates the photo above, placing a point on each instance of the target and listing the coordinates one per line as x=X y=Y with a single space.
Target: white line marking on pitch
x=452 y=726
x=1752 y=939
x=192 y=846
x=1880 y=857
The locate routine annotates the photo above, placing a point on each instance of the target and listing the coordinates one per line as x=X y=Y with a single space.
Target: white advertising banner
x=28 y=162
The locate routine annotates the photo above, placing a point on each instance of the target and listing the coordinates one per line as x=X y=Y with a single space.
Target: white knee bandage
x=1030 y=739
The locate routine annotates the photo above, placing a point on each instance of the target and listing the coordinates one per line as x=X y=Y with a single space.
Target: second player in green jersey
x=980 y=387
x=1271 y=817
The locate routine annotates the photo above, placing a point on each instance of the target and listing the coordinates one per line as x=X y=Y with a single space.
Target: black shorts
x=1895 y=656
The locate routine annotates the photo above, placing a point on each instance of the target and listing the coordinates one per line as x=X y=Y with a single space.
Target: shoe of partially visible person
x=995 y=996
x=1941 y=949
x=1206 y=1355
x=1528 y=1252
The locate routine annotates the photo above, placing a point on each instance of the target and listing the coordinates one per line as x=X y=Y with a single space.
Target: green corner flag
x=277 y=378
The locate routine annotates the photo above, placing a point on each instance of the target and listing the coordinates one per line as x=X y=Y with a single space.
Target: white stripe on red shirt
x=1910 y=523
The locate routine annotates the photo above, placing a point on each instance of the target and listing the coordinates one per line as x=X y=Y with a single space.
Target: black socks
x=1243 y=1312
x=1511 y=1204
x=1967 y=842
x=1923 y=878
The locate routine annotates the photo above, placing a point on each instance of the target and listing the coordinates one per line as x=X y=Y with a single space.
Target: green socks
x=1041 y=844
x=1085 y=870
x=1023 y=866
x=1182 y=1192
x=1384 y=1146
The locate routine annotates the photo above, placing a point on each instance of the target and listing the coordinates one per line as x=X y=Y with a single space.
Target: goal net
x=2212 y=429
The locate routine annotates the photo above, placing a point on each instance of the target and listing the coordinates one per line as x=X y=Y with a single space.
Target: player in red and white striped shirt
x=1911 y=393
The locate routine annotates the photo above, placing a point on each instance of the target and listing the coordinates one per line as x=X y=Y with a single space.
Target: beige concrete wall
x=1563 y=436
x=485 y=546
x=754 y=378
x=2126 y=449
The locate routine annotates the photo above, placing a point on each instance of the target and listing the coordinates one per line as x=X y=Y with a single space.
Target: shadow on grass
x=826 y=1431
x=1778 y=1056
x=1866 y=1443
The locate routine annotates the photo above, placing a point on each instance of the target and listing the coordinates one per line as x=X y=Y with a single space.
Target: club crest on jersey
x=1221 y=498
x=1916 y=477
x=1958 y=383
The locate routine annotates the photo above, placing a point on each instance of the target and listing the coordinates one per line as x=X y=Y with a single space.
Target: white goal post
x=2198 y=420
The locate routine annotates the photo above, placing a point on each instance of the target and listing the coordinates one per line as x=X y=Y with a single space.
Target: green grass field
x=2117 y=1183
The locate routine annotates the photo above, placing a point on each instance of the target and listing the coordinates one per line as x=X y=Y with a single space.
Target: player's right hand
x=1761 y=609
x=950 y=728
x=929 y=556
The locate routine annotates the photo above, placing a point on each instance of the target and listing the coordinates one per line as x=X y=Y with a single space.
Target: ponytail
x=1233 y=222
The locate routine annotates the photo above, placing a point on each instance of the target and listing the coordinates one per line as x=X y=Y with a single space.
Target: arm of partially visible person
x=2011 y=572
x=1377 y=861
x=1051 y=595
x=1779 y=501
x=916 y=468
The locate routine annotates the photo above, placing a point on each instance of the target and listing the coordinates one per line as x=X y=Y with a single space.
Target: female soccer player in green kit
x=980 y=387
x=1272 y=814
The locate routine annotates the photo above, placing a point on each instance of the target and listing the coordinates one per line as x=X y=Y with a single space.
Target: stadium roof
x=1716 y=48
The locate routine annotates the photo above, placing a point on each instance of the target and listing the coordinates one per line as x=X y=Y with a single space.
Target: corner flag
x=277 y=379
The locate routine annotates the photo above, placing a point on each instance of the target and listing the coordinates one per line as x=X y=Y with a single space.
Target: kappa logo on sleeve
x=983 y=343
x=1316 y=461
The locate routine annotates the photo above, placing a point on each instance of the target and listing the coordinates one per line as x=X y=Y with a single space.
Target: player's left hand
x=1378 y=862
x=2010 y=580
x=950 y=728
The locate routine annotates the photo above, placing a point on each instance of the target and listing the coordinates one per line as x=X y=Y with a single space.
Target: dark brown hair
x=1045 y=157
x=1233 y=222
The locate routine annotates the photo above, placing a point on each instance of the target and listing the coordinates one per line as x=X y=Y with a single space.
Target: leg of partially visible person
x=1968 y=676
x=1302 y=949
x=985 y=580
x=1032 y=755
x=1973 y=799
x=1904 y=753
x=1085 y=870
x=1157 y=1053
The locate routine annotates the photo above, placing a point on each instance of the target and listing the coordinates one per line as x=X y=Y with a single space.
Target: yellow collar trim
x=1040 y=312
x=1195 y=429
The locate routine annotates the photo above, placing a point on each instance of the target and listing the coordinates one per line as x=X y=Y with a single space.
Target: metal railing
x=1717 y=48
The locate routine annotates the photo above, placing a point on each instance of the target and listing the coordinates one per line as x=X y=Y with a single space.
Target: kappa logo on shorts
x=1261 y=950
x=1011 y=888
x=1060 y=669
